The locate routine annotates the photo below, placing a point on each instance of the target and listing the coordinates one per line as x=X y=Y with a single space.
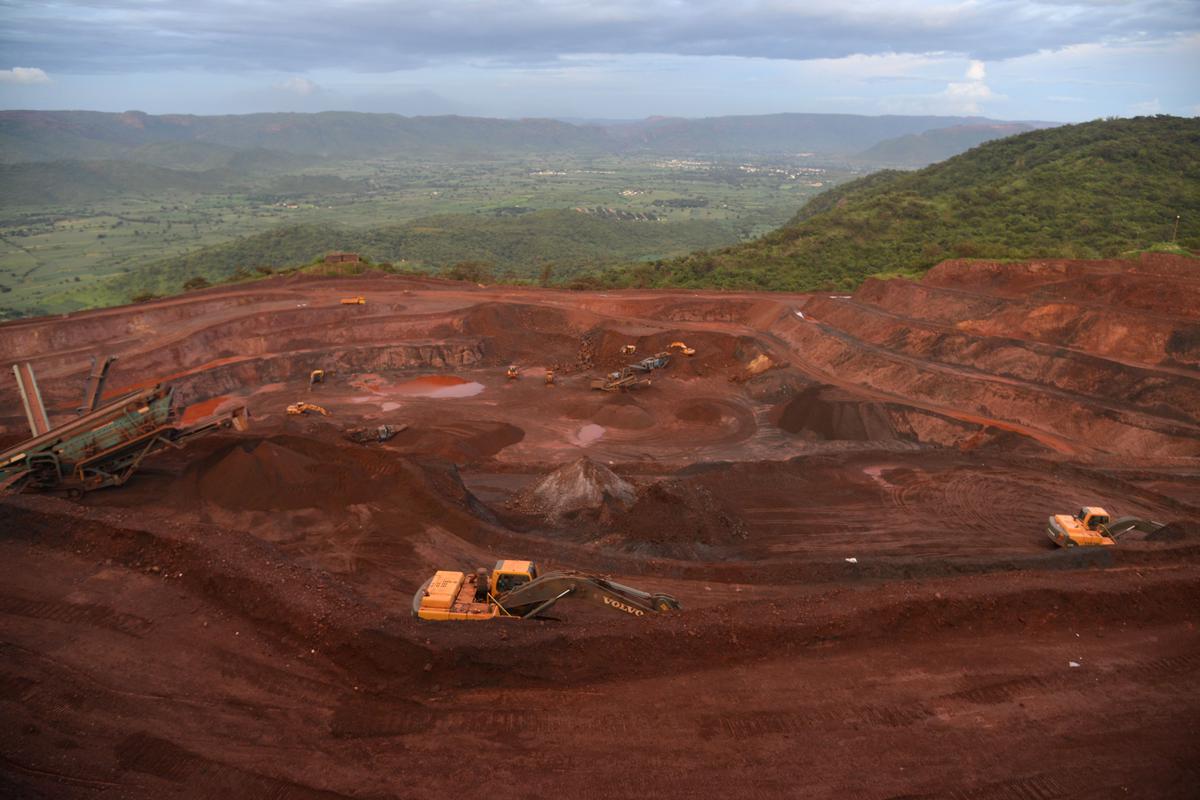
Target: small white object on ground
x=851 y=560
x=1072 y=663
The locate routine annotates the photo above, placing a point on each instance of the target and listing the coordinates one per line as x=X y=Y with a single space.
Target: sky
x=1054 y=60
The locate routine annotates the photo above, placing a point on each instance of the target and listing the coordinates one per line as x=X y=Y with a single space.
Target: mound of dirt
x=581 y=488
x=290 y=475
x=826 y=412
x=1175 y=531
x=622 y=411
x=673 y=517
x=258 y=475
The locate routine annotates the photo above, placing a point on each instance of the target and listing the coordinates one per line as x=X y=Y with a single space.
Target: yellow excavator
x=516 y=589
x=682 y=348
x=1092 y=527
x=354 y=301
x=296 y=409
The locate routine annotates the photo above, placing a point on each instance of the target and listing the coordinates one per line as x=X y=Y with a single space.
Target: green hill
x=1081 y=191
x=519 y=245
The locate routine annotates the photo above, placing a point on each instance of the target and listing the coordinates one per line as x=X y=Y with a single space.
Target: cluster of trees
x=539 y=246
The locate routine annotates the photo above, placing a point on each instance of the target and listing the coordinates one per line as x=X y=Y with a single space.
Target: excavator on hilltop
x=516 y=589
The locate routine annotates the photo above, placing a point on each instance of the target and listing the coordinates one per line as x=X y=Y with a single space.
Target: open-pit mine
x=846 y=495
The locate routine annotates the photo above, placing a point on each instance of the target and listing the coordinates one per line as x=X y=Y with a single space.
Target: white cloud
x=1146 y=107
x=25 y=75
x=964 y=97
x=301 y=86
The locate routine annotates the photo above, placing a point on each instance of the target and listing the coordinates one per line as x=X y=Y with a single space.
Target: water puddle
x=389 y=406
x=589 y=433
x=439 y=386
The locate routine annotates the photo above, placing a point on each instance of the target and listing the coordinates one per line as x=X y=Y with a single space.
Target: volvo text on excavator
x=516 y=589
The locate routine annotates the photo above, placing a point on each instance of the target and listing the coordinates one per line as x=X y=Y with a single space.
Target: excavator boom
x=538 y=595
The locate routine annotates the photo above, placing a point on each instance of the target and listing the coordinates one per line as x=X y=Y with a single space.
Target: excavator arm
x=536 y=596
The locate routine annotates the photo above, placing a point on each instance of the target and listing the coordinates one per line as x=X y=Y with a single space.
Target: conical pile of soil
x=581 y=488
x=258 y=475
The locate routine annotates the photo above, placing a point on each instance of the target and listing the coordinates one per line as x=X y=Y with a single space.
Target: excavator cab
x=508 y=575
x=1092 y=518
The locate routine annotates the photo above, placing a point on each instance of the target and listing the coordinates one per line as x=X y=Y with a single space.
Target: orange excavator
x=1092 y=527
x=516 y=589
x=680 y=347
x=296 y=409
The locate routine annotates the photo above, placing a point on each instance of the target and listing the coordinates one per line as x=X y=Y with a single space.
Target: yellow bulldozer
x=517 y=590
x=1092 y=527
x=354 y=301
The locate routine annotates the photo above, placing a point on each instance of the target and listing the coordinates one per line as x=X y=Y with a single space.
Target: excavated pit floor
x=850 y=505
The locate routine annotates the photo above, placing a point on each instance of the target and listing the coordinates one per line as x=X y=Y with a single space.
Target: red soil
x=871 y=607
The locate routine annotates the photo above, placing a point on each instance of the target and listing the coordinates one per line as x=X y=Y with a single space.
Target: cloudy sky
x=1048 y=59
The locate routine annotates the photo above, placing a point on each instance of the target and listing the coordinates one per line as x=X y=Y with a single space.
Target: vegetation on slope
x=1082 y=191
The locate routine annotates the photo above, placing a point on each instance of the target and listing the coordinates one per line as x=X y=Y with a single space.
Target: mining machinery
x=680 y=347
x=1092 y=527
x=631 y=375
x=354 y=301
x=380 y=433
x=620 y=381
x=105 y=444
x=297 y=409
x=516 y=589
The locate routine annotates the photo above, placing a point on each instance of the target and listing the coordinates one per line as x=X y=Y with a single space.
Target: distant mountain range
x=915 y=150
x=207 y=142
